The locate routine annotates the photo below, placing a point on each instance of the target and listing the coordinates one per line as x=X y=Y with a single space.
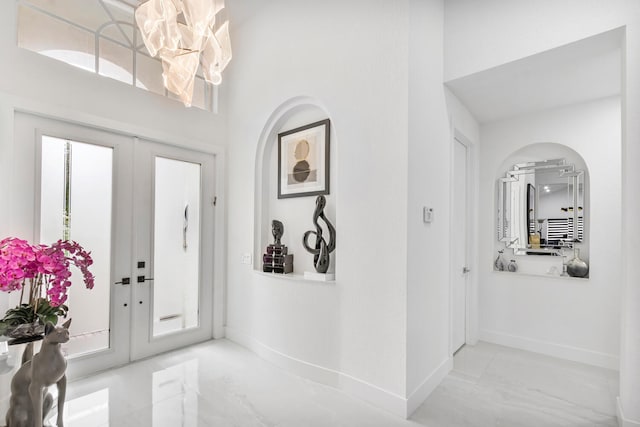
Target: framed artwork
x=303 y=161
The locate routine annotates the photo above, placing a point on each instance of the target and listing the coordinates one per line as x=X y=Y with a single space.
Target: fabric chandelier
x=181 y=33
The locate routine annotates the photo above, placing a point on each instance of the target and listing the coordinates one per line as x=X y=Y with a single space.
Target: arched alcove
x=295 y=213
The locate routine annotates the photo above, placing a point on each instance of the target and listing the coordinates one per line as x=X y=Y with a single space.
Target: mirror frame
x=564 y=170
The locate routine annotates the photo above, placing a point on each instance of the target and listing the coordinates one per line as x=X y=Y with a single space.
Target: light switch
x=427 y=215
x=246 y=258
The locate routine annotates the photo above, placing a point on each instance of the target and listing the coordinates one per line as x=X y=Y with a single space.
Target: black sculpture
x=277 y=229
x=277 y=259
x=321 y=250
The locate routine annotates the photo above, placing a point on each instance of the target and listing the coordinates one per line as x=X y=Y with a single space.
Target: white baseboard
x=561 y=351
x=420 y=394
x=375 y=395
x=299 y=367
x=379 y=397
x=622 y=421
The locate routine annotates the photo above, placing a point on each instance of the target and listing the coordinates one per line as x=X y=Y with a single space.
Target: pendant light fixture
x=181 y=33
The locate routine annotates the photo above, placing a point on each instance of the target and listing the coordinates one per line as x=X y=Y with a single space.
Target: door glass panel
x=176 y=243
x=76 y=204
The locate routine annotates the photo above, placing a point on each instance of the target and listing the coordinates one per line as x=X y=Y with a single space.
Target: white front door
x=116 y=196
x=459 y=226
x=173 y=222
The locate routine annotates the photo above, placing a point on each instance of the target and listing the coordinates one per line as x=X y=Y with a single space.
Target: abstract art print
x=303 y=160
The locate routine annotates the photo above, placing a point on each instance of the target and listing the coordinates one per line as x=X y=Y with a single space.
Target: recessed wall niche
x=295 y=213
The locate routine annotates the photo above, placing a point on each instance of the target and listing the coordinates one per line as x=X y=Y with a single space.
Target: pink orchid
x=46 y=269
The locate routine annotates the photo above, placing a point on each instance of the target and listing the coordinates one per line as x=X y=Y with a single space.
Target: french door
x=145 y=212
x=173 y=247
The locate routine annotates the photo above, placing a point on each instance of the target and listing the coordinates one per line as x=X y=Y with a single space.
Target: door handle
x=465 y=270
x=124 y=281
x=142 y=279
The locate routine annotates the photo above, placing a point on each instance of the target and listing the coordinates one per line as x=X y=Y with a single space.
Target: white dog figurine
x=29 y=402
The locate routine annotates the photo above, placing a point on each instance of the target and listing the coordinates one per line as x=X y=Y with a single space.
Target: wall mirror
x=541 y=207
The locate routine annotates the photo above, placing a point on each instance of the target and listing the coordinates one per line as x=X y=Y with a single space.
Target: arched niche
x=542 y=152
x=295 y=213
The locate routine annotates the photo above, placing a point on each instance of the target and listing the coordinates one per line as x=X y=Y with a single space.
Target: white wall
x=354 y=68
x=430 y=147
x=573 y=318
x=629 y=401
x=383 y=319
x=515 y=29
x=482 y=35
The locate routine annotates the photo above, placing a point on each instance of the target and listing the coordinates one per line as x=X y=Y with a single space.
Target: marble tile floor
x=221 y=384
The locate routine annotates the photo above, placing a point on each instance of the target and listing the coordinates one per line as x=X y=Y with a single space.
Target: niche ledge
x=537 y=275
x=296 y=277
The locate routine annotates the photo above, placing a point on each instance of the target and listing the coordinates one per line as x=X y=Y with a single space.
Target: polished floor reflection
x=222 y=384
x=492 y=385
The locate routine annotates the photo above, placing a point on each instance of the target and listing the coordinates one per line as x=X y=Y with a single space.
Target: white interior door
x=145 y=212
x=459 y=241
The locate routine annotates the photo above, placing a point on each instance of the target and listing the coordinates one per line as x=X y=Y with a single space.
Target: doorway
x=459 y=243
x=145 y=211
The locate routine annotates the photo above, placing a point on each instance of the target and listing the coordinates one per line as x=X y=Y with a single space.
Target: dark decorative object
x=303 y=160
x=512 y=267
x=277 y=229
x=321 y=250
x=25 y=332
x=500 y=264
x=577 y=267
x=276 y=259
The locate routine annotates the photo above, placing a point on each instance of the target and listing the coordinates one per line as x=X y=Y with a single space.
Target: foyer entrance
x=145 y=210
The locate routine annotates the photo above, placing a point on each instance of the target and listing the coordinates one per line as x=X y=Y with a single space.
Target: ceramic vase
x=500 y=264
x=512 y=267
x=577 y=267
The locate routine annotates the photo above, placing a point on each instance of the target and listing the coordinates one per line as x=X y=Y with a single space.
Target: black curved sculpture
x=322 y=249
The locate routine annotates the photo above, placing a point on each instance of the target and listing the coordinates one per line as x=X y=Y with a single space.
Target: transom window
x=98 y=36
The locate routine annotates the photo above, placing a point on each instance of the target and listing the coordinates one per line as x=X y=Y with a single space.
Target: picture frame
x=304 y=160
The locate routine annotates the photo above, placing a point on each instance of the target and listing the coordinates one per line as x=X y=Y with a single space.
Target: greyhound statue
x=30 y=402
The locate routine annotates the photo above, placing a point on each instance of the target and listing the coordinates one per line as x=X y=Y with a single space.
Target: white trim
x=622 y=421
x=420 y=394
x=471 y=322
x=220 y=247
x=381 y=398
x=81 y=118
x=576 y=354
x=472 y=231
